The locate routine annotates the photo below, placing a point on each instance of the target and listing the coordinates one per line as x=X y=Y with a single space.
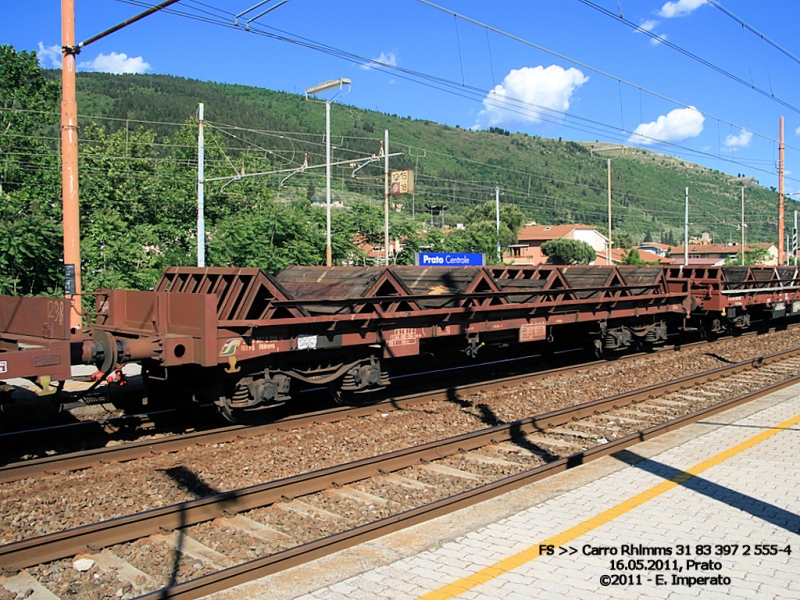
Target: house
x=618 y=256
x=372 y=254
x=654 y=248
x=528 y=249
x=720 y=253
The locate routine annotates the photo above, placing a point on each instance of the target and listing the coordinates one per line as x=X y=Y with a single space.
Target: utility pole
x=609 y=261
x=328 y=242
x=743 y=225
x=414 y=194
x=497 y=214
x=686 y=231
x=386 y=193
x=69 y=165
x=780 y=196
x=201 y=223
x=70 y=199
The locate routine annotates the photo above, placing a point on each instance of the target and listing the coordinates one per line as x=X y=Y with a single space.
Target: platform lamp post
x=325 y=86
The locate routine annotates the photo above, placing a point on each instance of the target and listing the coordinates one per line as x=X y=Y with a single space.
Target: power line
x=746 y=25
x=469 y=92
x=685 y=52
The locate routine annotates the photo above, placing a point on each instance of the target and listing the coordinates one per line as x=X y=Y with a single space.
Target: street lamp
x=326 y=86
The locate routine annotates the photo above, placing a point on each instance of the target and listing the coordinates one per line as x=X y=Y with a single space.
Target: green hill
x=138 y=181
x=552 y=181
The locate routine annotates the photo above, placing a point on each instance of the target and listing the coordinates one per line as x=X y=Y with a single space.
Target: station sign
x=402 y=182
x=448 y=259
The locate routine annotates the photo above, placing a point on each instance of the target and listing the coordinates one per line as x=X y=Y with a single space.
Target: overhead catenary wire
x=746 y=25
x=685 y=52
x=454 y=87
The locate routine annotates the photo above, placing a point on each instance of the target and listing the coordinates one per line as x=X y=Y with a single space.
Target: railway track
x=225 y=539
x=53 y=449
x=157 y=441
x=132 y=450
x=201 y=432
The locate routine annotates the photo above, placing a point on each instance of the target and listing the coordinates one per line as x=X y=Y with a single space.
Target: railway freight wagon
x=248 y=341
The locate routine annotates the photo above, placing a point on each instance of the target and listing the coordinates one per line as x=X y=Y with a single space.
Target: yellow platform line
x=532 y=552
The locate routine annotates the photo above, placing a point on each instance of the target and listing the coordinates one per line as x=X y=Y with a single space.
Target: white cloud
x=116 y=63
x=50 y=57
x=385 y=58
x=681 y=8
x=734 y=142
x=526 y=89
x=797 y=131
x=648 y=25
x=677 y=125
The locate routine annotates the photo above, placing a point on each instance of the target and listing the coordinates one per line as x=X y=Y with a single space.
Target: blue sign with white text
x=449 y=259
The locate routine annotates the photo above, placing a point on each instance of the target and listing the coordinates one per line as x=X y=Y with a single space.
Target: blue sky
x=683 y=77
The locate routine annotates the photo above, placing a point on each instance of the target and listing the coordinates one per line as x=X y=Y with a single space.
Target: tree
x=622 y=239
x=569 y=252
x=269 y=236
x=30 y=183
x=754 y=256
x=481 y=229
x=632 y=257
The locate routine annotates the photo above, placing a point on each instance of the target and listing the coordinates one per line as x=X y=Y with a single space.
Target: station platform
x=710 y=511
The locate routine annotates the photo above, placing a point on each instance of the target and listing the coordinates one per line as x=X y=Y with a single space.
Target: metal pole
x=610 y=243
x=743 y=237
x=497 y=215
x=69 y=165
x=794 y=239
x=414 y=195
x=780 y=196
x=686 y=232
x=201 y=223
x=386 y=194
x=328 y=250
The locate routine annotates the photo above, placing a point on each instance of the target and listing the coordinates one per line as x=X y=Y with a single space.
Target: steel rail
x=135 y=450
x=50 y=465
x=292 y=557
x=75 y=461
x=72 y=541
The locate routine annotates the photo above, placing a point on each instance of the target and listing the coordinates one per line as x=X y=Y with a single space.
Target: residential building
x=719 y=254
x=654 y=248
x=528 y=249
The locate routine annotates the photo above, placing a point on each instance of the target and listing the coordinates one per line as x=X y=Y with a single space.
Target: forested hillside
x=138 y=162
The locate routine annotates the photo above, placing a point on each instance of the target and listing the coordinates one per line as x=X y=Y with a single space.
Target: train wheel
x=604 y=353
x=340 y=396
x=358 y=386
x=350 y=398
x=248 y=411
x=241 y=416
x=712 y=329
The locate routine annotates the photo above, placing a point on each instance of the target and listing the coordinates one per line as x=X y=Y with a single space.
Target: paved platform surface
x=710 y=511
